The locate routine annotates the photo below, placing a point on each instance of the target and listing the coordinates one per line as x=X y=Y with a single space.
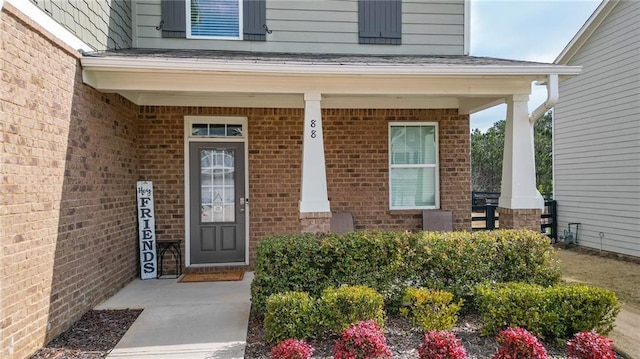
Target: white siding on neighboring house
x=324 y=26
x=597 y=136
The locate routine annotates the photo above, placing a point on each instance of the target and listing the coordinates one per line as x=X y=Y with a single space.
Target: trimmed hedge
x=298 y=315
x=390 y=261
x=290 y=315
x=558 y=311
x=339 y=308
x=430 y=309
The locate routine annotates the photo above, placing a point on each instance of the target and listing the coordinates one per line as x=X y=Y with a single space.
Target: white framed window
x=214 y=19
x=216 y=127
x=413 y=165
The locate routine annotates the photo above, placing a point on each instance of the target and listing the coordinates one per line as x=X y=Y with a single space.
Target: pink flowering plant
x=441 y=345
x=590 y=345
x=363 y=340
x=292 y=349
x=519 y=343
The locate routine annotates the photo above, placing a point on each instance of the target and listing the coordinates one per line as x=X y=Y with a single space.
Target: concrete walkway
x=184 y=320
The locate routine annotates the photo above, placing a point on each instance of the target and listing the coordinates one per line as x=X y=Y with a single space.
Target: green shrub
x=524 y=256
x=290 y=315
x=390 y=261
x=287 y=263
x=341 y=307
x=455 y=262
x=552 y=312
x=430 y=309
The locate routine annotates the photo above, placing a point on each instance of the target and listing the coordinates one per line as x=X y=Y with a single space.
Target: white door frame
x=188 y=138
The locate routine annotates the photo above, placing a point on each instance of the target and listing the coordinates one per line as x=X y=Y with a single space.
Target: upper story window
x=214 y=19
x=413 y=165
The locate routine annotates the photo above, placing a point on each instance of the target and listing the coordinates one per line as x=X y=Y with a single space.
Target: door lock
x=243 y=202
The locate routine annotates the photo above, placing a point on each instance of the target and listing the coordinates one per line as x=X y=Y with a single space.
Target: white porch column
x=518 y=164
x=315 y=211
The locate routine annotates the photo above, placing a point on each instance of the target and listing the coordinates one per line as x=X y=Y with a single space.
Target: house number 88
x=313 y=132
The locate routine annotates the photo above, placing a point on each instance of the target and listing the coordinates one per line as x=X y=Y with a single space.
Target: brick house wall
x=275 y=145
x=67 y=200
x=356 y=147
x=357 y=157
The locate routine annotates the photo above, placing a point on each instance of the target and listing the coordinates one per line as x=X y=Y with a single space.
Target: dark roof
x=312 y=59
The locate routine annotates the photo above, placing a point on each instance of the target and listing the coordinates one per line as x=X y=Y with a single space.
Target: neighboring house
x=252 y=119
x=597 y=131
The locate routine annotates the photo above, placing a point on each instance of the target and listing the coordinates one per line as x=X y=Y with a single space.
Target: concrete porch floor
x=184 y=320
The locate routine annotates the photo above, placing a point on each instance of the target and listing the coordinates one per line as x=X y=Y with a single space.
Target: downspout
x=552 y=99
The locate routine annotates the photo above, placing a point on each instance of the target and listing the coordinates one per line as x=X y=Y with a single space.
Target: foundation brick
x=315 y=222
x=520 y=218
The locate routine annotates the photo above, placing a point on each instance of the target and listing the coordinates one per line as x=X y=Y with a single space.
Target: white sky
x=531 y=30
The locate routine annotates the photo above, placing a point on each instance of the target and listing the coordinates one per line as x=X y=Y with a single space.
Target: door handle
x=243 y=202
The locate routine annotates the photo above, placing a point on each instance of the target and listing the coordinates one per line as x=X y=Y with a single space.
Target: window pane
x=215 y=18
x=413 y=145
x=413 y=187
x=234 y=130
x=216 y=130
x=428 y=149
x=217 y=181
x=398 y=146
x=199 y=129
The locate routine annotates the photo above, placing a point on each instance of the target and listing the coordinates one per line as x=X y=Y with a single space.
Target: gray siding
x=104 y=24
x=324 y=26
x=597 y=137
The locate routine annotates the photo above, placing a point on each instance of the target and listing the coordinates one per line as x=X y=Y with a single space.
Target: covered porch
x=318 y=135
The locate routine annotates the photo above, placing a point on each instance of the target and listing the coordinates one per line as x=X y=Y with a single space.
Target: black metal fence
x=485 y=217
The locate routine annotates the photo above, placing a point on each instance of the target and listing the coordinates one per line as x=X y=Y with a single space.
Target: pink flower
x=590 y=345
x=441 y=345
x=292 y=349
x=519 y=343
x=363 y=340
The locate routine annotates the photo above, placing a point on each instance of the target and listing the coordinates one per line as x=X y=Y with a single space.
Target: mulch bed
x=98 y=332
x=401 y=338
x=93 y=336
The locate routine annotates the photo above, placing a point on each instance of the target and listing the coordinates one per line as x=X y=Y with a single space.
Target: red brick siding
x=356 y=146
x=67 y=200
x=357 y=157
x=275 y=154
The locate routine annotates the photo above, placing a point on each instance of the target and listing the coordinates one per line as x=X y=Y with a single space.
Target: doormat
x=223 y=276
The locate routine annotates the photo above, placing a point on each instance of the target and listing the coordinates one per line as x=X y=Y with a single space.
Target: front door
x=217 y=202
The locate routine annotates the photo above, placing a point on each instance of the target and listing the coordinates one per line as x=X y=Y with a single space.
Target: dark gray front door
x=217 y=201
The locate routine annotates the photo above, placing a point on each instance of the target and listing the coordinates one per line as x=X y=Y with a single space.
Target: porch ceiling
x=230 y=80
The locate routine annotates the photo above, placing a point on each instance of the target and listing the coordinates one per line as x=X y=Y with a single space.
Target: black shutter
x=174 y=19
x=380 y=21
x=254 y=20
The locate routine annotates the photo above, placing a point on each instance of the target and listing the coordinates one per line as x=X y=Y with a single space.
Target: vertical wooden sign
x=146 y=230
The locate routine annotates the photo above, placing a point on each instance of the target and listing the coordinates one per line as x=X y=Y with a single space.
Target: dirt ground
x=620 y=276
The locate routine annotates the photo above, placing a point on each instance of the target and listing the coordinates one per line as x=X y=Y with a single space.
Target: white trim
x=585 y=32
x=467 y=28
x=179 y=65
x=313 y=183
x=188 y=121
x=240 y=25
x=48 y=23
x=218 y=99
x=436 y=165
